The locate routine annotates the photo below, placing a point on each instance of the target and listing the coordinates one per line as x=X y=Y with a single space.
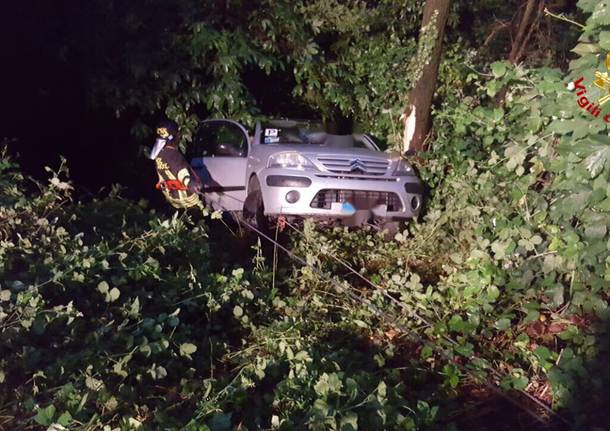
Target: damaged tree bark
x=416 y=116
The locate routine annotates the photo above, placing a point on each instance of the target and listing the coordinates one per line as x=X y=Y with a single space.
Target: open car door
x=219 y=155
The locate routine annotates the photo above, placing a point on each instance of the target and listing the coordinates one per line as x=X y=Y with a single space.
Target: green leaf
x=596 y=161
x=456 y=323
x=349 y=422
x=45 y=416
x=596 y=231
x=493 y=293
x=5 y=295
x=158 y=372
x=426 y=352
x=187 y=349
x=328 y=384
x=585 y=48
x=543 y=353
x=587 y=6
x=465 y=350
x=604 y=205
x=493 y=87
x=499 y=249
x=520 y=382
x=65 y=419
x=498 y=69
x=113 y=295
x=604 y=40
x=103 y=287
x=502 y=324
x=452 y=375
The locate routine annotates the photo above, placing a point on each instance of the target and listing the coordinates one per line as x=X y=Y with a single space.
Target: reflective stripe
x=185 y=202
x=185 y=176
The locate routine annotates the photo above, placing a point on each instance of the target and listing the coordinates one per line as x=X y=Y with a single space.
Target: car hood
x=318 y=150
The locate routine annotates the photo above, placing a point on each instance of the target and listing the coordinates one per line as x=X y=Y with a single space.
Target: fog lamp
x=415 y=203
x=292 y=196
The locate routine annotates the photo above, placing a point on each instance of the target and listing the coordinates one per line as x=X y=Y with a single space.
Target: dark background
x=50 y=51
x=47 y=113
x=53 y=52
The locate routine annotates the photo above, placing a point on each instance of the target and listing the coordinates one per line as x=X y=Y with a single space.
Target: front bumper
x=320 y=194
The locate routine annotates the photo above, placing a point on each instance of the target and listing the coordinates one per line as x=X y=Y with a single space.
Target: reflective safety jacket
x=177 y=180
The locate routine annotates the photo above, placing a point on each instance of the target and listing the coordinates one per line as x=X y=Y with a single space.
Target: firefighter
x=177 y=180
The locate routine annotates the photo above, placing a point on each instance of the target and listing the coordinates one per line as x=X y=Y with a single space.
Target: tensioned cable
x=413 y=313
x=403 y=328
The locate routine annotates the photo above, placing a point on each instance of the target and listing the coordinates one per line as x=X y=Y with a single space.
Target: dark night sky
x=46 y=111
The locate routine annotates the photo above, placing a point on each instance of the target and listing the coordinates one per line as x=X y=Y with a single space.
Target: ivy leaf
x=576 y=202
x=113 y=295
x=466 y=349
x=103 y=287
x=499 y=249
x=65 y=419
x=543 y=353
x=158 y=372
x=45 y=416
x=322 y=387
x=5 y=295
x=328 y=384
x=556 y=294
x=426 y=352
x=519 y=382
x=187 y=349
x=502 y=324
x=596 y=161
x=596 y=231
x=498 y=69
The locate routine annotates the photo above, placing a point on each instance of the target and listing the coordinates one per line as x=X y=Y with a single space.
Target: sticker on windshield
x=270 y=132
x=271 y=139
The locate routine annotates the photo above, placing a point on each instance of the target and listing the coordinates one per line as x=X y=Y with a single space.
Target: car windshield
x=291 y=132
x=307 y=133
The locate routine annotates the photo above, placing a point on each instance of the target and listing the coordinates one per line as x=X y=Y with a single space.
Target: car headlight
x=291 y=160
x=403 y=168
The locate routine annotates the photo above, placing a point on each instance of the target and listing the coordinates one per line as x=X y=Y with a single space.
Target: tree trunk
x=416 y=116
x=532 y=11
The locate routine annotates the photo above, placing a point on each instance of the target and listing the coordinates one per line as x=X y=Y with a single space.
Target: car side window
x=218 y=139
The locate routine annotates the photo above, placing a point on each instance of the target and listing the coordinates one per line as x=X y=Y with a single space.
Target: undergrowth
x=113 y=316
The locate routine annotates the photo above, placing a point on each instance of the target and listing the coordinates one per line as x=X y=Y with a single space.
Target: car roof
x=290 y=122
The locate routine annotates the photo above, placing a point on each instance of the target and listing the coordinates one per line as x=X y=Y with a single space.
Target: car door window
x=218 y=139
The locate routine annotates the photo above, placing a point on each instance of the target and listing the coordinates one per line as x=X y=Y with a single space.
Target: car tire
x=256 y=211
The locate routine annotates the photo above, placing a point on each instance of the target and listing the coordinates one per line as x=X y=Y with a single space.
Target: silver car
x=293 y=168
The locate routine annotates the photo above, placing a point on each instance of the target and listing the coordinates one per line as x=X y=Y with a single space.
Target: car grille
x=361 y=199
x=354 y=165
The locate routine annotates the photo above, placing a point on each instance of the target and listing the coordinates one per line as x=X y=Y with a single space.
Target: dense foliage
x=115 y=316
x=324 y=56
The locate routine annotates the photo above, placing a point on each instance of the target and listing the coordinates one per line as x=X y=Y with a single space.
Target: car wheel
x=254 y=210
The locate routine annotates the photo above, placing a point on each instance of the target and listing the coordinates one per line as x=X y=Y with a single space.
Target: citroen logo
x=357 y=165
